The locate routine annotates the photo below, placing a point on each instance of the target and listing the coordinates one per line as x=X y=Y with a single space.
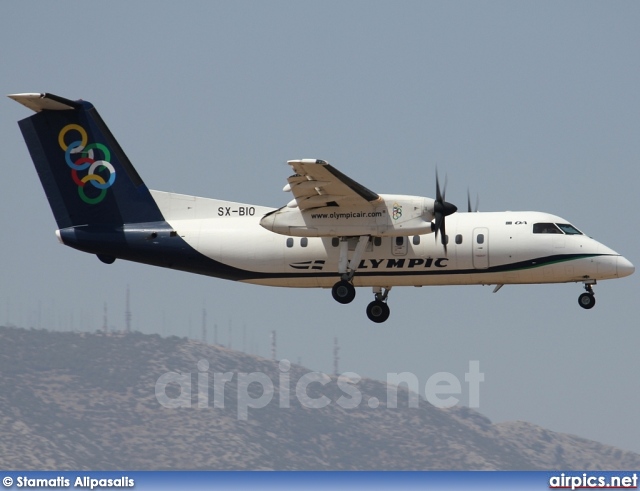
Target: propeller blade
x=442 y=209
x=436 y=226
x=443 y=236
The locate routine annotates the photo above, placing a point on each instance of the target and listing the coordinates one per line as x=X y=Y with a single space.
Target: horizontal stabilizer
x=49 y=102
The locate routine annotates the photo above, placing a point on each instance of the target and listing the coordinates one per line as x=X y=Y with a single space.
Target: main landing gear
x=344 y=292
x=587 y=300
x=378 y=310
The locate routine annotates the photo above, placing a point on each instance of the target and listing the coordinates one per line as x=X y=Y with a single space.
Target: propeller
x=469 y=209
x=441 y=209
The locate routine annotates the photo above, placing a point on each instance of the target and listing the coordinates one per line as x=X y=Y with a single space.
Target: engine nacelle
x=390 y=216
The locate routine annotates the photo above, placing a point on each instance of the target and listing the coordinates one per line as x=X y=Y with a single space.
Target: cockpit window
x=568 y=229
x=546 y=228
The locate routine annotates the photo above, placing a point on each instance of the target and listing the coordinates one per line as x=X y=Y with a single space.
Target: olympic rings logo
x=397 y=211
x=87 y=160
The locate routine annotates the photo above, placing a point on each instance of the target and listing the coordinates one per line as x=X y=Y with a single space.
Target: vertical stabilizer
x=86 y=175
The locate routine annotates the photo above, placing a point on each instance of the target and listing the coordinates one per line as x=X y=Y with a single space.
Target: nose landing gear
x=587 y=300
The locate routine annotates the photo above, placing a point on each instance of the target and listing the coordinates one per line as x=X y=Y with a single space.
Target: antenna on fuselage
x=469 y=202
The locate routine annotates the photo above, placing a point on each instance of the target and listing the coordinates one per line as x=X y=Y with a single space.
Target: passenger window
x=416 y=240
x=458 y=239
x=335 y=242
x=304 y=242
x=399 y=241
x=377 y=241
x=546 y=228
x=290 y=242
x=480 y=239
x=446 y=239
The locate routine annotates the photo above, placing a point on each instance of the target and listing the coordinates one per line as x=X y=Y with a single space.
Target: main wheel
x=587 y=300
x=343 y=292
x=378 y=311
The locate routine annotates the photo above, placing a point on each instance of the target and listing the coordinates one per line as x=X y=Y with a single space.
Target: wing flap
x=317 y=184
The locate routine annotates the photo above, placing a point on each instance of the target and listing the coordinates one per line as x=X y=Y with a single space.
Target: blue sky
x=532 y=105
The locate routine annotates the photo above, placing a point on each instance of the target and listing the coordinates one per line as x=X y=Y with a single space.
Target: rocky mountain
x=95 y=401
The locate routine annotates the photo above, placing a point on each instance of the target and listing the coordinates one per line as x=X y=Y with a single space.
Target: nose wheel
x=587 y=300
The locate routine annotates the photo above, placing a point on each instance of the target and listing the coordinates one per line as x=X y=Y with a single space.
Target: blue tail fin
x=86 y=176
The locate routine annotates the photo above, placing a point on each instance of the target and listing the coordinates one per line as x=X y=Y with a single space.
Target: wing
x=316 y=184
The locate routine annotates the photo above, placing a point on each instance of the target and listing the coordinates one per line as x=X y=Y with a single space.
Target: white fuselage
x=483 y=248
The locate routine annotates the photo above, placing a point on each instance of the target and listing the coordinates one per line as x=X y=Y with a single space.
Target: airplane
x=335 y=233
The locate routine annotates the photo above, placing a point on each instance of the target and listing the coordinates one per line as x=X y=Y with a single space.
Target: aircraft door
x=399 y=246
x=481 y=248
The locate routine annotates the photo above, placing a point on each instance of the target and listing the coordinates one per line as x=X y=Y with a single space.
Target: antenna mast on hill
x=105 y=323
x=215 y=334
x=244 y=338
x=204 y=325
x=273 y=345
x=127 y=314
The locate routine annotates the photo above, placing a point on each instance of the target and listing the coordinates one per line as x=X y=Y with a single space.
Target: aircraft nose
x=624 y=266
